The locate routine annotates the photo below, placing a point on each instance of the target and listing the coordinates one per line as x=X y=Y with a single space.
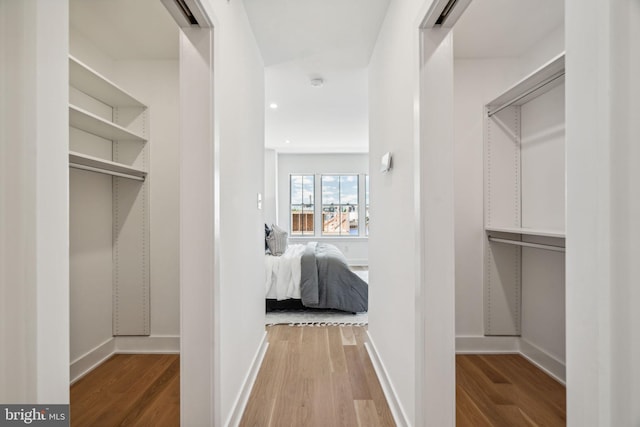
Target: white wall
x=270 y=195
x=355 y=249
x=34 y=233
x=221 y=228
x=392 y=237
x=603 y=237
x=240 y=102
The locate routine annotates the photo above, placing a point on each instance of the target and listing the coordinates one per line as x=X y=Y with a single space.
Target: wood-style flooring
x=506 y=390
x=129 y=390
x=317 y=376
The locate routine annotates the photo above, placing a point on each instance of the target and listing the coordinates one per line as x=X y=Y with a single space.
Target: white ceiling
x=126 y=29
x=304 y=39
x=505 y=28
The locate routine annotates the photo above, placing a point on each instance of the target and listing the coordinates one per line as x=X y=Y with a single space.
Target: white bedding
x=282 y=273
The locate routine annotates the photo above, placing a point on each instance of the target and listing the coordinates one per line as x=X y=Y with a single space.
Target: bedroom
x=590 y=288
x=316 y=122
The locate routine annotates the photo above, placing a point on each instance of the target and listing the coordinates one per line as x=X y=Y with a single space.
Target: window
x=339 y=205
x=302 y=204
x=366 y=204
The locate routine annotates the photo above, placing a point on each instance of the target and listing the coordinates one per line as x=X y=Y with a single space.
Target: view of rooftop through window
x=338 y=213
x=339 y=205
x=302 y=204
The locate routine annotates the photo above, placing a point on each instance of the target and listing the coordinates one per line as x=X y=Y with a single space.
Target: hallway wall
x=392 y=235
x=34 y=233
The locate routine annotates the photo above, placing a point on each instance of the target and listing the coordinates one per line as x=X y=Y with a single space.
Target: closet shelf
x=84 y=120
x=89 y=81
x=527 y=231
x=95 y=164
x=535 y=84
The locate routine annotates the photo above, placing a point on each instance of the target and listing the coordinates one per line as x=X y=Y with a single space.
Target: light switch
x=259 y=201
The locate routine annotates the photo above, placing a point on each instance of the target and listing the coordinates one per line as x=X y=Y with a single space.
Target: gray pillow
x=277 y=240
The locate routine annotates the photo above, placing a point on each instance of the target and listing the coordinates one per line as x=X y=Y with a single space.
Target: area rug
x=315 y=318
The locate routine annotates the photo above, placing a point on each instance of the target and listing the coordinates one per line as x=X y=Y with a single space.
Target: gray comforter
x=327 y=282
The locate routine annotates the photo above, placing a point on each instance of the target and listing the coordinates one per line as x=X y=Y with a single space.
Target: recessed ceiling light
x=318 y=82
x=286 y=141
x=273 y=106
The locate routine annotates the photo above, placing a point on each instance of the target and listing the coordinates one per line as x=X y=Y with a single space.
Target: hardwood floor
x=506 y=390
x=317 y=376
x=129 y=390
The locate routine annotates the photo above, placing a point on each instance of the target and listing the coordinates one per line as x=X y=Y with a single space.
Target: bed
x=315 y=275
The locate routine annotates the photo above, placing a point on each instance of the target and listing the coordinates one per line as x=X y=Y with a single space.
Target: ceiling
x=126 y=29
x=305 y=39
x=505 y=28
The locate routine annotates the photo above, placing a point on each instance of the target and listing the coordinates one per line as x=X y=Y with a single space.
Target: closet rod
x=105 y=171
x=527 y=244
x=528 y=92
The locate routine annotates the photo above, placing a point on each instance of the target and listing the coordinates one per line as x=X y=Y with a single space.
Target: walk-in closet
x=123 y=181
x=525 y=215
x=509 y=133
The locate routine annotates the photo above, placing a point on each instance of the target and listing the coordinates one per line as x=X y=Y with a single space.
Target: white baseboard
x=399 y=415
x=358 y=262
x=486 y=345
x=114 y=345
x=91 y=360
x=247 y=385
x=543 y=360
x=148 y=345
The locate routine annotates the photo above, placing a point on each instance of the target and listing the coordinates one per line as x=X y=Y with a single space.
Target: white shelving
x=89 y=81
x=114 y=125
x=89 y=122
x=545 y=78
x=524 y=198
x=95 y=164
x=527 y=231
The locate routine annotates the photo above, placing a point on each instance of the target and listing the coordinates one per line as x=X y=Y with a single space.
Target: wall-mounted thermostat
x=385 y=163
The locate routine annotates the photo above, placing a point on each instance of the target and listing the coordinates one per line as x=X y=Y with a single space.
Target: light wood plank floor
x=317 y=376
x=506 y=390
x=129 y=390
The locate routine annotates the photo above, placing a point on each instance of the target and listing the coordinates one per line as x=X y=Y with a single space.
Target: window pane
x=350 y=220
x=366 y=208
x=296 y=219
x=296 y=189
x=340 y=205
x=349 y=189
x=366 y=190
x=330 y=190
x=366 y=221
x=307 y=189
x=307 y=219
x=331 y=220
x=302 y=204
